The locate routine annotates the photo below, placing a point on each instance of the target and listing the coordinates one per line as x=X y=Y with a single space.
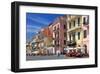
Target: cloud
x=38 y=19
x=33 y=28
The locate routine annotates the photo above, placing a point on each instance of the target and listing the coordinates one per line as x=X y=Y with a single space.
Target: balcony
x=86 y=25
x=74 y=28
x=56 y=30
x=71 y=43
x=55 y=38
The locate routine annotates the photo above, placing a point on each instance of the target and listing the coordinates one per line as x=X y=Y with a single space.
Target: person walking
x=58 y=52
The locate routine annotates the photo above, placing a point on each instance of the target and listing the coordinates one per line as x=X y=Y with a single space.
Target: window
x=78 y=21
x=78 y=35
x=86 y=20
x=55 y=35
x=58 y=43
x=64 y=42
x=69 y=25
x=74 y=36
x=79 y=46
x=55 y=42
x=58 y=27
x=70 y=37
x=64 y=34
x=55 y=28
x=85 y=47
x=73 y=23
x=64 y=26
x=85 y=33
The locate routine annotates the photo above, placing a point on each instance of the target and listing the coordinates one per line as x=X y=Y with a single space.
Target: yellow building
x=75 y=31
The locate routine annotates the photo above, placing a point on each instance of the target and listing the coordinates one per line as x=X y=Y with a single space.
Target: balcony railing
x=74 y=28
x=71 y=43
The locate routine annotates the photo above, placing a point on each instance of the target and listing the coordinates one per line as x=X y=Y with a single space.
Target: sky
x=37 y=21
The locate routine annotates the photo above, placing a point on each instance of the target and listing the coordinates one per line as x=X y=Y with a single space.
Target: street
x=47 y=57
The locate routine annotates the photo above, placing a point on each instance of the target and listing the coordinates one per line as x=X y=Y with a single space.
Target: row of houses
x=65 y=32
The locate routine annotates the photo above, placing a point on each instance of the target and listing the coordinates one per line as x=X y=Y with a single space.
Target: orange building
x=47 y=32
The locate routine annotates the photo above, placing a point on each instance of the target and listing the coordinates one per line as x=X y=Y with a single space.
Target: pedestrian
x=58 y=52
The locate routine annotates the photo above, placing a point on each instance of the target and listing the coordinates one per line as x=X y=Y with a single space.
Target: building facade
x=78 y=32
x=59 y=34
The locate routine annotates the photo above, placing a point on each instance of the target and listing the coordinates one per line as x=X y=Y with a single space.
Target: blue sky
x=37 y=21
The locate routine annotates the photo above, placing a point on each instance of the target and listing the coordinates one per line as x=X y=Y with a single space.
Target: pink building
x=60 y=34
x=85 y=28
